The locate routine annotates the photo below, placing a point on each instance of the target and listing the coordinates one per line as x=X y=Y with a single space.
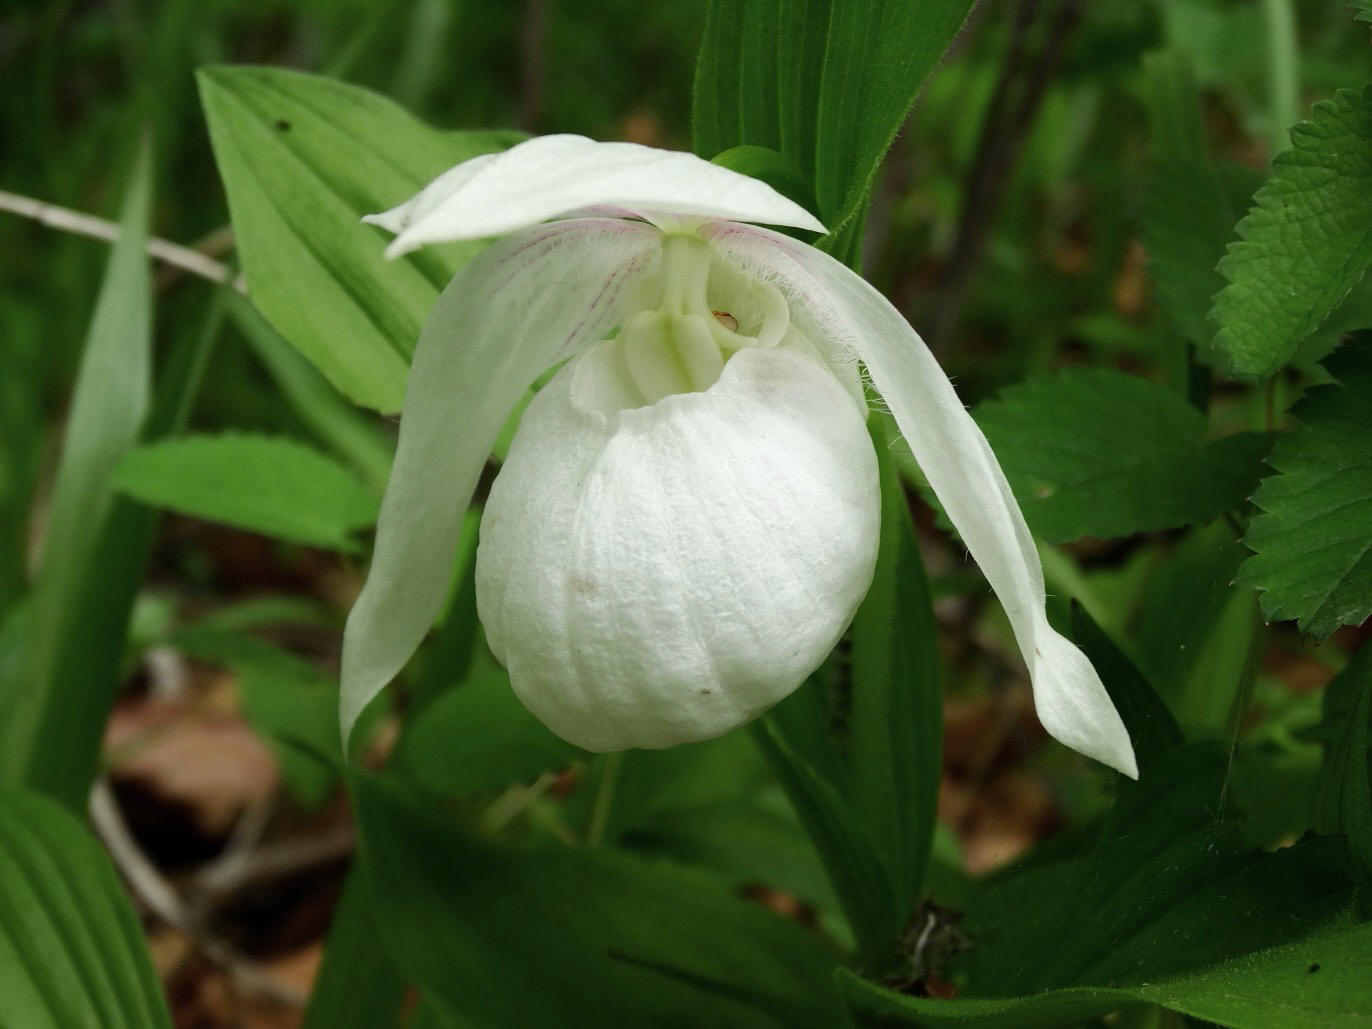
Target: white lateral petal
x=514 y=310
x=953 y=453
x=552 y=176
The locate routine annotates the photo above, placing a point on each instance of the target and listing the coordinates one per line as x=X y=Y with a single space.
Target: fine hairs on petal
x=556 y=176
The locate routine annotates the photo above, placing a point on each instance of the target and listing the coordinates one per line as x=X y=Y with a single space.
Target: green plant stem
x=604 y=797
x=1283 y=75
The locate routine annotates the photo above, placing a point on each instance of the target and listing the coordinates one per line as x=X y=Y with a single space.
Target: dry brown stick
x=1015 y=100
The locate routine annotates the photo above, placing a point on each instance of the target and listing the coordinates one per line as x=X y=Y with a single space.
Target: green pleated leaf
x=303 y=158
x=1160 y=888
x=560 y=936
x=1306 y=241
x=895 y=725
x=1313 y=542
x=341 y=996
x=110 y=402
x=1344 y=800
x=1100 y=453
x=1320 y=981
x=71 y=953
x=277 y=487
x=860 y=880
x=1152 y=729
x=825 y=83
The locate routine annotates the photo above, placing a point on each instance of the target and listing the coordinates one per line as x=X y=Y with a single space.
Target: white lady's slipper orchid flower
x=687 y=518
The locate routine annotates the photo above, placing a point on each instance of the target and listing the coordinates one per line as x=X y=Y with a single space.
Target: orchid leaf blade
x=71 y=950
x=303 y=159
x=825 y=84
x=482 y=944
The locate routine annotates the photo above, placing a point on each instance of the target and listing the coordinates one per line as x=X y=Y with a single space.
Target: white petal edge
x=1071 y=701
x=516 y=309
x=553 y=176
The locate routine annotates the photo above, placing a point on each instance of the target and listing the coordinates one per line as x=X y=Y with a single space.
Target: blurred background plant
x=1013 y=223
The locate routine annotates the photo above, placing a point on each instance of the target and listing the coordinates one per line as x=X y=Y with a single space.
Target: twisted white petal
x=553 y=176
x=669 y=572
x=951 y=450
x=517 y=308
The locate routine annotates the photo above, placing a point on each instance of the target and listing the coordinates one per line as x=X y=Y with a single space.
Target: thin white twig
x=81 y=224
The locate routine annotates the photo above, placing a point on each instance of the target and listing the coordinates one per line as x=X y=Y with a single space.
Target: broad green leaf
x=1306 y=241
x=559 y=936
x=71 y=951
x=1319 y=981
x=1344 y=803
x=340 y=426
x=895 y=724
x=480 y=737
x=303 y=158
x=776 y=169
x=1159 y=888
x=1152 y=729
x=357 y=983
x=286 y=699
x=1196 y=627
x=826 y=83
x=110 y=402
x=277 y=487
x=1313 y=542
x=1100 y=453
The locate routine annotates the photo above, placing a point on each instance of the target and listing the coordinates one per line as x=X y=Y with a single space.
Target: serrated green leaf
x=277 y=487
x=1306 y=241
x=827 y=84
x=500 y=936
x=1344 y=801
x=303 y=158
x=895 y=725
x=71 y=951
x=1320 y=981
x=1099 y=453
x=1313 y=542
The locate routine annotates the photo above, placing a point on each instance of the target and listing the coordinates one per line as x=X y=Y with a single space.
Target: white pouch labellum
x=665 y=573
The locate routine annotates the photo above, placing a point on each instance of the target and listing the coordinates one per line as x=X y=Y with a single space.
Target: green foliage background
x=1157 y=317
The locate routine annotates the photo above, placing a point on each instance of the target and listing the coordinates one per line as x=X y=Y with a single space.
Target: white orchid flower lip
x=687 y=517
x=556 y=176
